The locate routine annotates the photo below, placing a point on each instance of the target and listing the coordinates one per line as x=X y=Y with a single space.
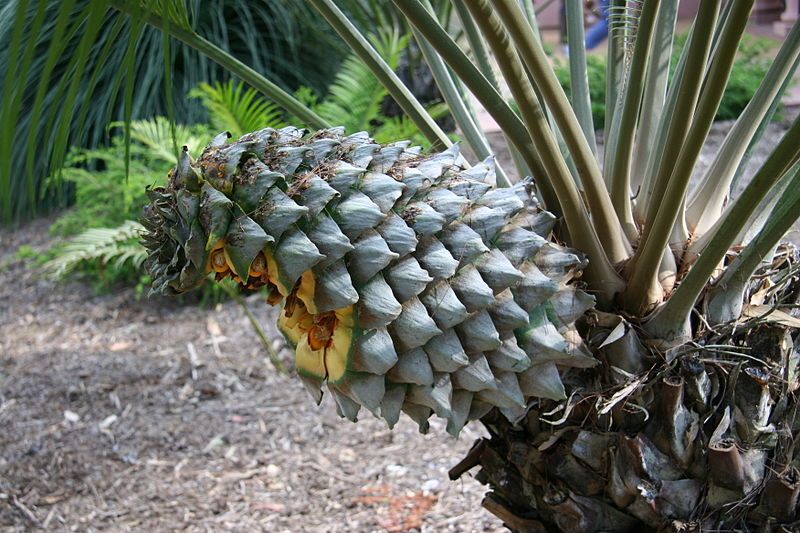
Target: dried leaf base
x=704 y=442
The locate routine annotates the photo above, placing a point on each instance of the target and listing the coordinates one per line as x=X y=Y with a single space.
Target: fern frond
x=156 y=135
x=355 y=95
x=233 y=107
x=401 y=127
x=116 y=246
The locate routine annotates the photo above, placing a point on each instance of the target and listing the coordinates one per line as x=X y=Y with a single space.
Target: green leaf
x=238 y=109
x=118 y=244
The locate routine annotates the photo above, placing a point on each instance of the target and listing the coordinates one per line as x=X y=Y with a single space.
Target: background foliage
x=286 y=41
x=749 y=68
x=101 y=226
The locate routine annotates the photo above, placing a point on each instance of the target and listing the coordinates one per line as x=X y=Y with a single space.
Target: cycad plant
x=623 y=332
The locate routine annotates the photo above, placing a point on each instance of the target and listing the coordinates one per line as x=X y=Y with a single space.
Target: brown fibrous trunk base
x=702 y=441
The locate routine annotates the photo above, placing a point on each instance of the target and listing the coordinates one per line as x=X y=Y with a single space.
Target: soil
x=126 y=414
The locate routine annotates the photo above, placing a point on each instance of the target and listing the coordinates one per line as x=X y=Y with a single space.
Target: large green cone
x=429 y=290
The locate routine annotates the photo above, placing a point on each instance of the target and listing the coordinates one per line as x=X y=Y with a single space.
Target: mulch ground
x=126 y=414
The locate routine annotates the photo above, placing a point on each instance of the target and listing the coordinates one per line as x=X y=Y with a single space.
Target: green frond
x=355 y=95
x=109 y=246
x=235 y=108
x=156 y=135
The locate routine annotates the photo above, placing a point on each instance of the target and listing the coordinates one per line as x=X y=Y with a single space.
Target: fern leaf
x=156 y=135
x=234 y=108
x=354 y=98
x=107 y=245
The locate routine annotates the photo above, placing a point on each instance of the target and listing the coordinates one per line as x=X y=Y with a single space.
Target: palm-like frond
x=109 y=246
x=156 y=135
x=235 y=108
x=355 y=95
x=271 y=36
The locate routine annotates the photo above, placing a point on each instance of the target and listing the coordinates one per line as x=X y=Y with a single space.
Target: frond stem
x=226 y=60
x=655 y=89
x=483 y=90
x=725 y=299
x=533 y=56
x=629 y=113
x=679 y=158
x=579 y=80
x=680 y=304
x=581 y=231
x=707 y=201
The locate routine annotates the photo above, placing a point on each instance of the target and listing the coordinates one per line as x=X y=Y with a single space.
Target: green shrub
x=101 y=243
x=104 y=197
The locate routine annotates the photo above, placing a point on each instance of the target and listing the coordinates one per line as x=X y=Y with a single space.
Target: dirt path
x=125 y=415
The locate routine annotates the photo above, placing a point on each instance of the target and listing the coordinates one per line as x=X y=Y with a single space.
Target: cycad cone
x=407 y=282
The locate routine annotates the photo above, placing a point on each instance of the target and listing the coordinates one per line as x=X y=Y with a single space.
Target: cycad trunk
x=702 y=442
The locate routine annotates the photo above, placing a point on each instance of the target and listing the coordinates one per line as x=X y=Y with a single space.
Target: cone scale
x=406 y=282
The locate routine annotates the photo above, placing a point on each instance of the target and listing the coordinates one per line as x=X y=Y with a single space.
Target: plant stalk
x=227 y=61
x=533 y=56
x=655 y=90
x=629 y=113
x=481 y=58
x=489 y=97
x=404 y=98
x=666 y=320
x=707 y=201
x=656 y=155
x=615 y=62
x=643 y=291
x=725 y=299
x=579 y=80
x=463 y=116
x=576 y=217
